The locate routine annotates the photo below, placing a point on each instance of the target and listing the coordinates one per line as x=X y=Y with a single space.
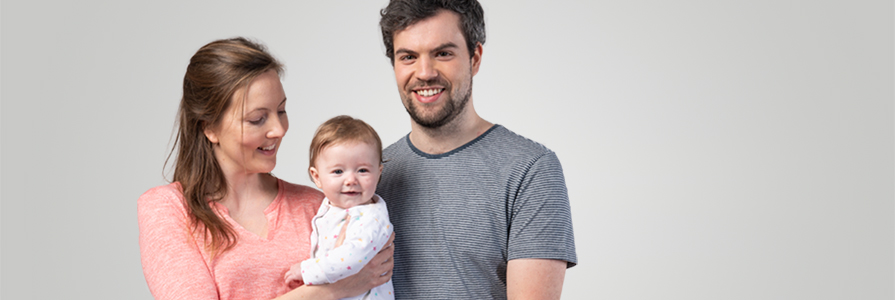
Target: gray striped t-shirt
x=460 y=216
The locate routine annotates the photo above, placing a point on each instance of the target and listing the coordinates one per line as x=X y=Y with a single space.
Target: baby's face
x=347 y=173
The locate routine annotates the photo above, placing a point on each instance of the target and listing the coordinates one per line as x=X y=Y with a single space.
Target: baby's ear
x=315 y=176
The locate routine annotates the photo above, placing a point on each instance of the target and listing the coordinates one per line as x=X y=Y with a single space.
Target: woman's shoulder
x=301 y=193
x=164 y=195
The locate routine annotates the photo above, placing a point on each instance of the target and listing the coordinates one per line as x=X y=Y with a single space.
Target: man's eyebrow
x=439 y=48
x=404 y=50
x=445 y=46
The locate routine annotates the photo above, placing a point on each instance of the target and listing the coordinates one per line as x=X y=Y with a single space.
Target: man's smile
x=429 y=92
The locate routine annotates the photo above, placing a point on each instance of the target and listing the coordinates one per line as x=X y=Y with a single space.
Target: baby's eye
x=337 y=172
x=363 y=170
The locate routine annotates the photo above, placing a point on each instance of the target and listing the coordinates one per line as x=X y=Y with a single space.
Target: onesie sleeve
x=541 y=221
x=365 y=236
x=172 y=262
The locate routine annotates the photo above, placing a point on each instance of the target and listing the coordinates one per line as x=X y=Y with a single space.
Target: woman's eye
x=282 y=112
x=256 y=121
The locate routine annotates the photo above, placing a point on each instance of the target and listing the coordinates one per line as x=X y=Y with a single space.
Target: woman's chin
x=261 y=170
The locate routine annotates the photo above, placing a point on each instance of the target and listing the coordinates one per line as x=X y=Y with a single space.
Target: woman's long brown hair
x=215 y=73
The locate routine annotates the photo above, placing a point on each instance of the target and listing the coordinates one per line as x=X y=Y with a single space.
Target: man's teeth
x=428 y=92
x=268 y=148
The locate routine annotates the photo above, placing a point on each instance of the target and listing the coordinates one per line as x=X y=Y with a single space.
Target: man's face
x=434 y=69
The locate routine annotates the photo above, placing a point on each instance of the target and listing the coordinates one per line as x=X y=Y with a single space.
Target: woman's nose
x=276 y=131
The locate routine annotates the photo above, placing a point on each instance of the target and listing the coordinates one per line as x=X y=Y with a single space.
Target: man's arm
x=541 y=244
x=530 y=278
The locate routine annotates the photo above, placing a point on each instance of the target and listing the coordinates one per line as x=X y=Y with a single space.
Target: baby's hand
x=293 y=276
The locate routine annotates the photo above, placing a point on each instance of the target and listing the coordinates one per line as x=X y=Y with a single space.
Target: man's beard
x=449 y=111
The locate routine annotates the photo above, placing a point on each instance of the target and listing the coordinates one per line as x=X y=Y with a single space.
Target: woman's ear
x=210 y=134
x=315 y=177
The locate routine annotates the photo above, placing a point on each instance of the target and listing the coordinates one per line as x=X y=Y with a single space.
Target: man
x=479 y=211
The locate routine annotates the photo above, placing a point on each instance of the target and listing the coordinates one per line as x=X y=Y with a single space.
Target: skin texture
x=431 y=54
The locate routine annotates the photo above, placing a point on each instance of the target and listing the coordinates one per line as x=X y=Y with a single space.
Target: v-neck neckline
x=270 y=213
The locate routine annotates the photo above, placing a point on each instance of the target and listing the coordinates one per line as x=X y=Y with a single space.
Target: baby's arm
x=365 y=236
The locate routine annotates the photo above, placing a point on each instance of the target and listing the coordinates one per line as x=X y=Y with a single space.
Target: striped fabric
x=460 y=216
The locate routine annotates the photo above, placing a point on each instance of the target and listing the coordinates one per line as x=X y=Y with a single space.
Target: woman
x=226 y=228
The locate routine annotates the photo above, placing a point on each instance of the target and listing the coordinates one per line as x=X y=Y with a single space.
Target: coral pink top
x=176 y=265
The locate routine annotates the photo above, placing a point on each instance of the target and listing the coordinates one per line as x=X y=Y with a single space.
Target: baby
x=346 y=161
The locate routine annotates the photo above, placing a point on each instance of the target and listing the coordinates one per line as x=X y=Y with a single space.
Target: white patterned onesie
x=368 y=231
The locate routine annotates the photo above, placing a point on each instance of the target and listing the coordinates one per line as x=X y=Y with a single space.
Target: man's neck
x=450 y=136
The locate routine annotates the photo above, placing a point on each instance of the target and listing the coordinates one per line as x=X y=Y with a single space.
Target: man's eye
x=406 y=57
x=444 y=53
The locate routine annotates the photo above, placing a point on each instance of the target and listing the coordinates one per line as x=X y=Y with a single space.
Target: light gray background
x=712 y=149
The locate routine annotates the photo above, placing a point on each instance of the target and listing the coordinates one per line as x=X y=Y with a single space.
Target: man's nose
x=426 y=69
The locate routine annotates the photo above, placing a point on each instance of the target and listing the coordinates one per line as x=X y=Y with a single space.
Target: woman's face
x=249 y=134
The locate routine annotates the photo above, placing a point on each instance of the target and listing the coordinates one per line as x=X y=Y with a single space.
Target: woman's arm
x=377 y=272
x=172 y=262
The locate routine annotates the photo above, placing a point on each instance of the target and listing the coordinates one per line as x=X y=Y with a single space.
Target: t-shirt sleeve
x=365 y=237
x=541 y=221
x=172 y=262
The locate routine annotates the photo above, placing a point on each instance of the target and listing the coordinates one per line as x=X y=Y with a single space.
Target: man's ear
x=476 y=58
x=210 y=134
x=315 y=176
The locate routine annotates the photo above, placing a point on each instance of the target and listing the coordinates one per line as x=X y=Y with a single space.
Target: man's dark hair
x=399 y=14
